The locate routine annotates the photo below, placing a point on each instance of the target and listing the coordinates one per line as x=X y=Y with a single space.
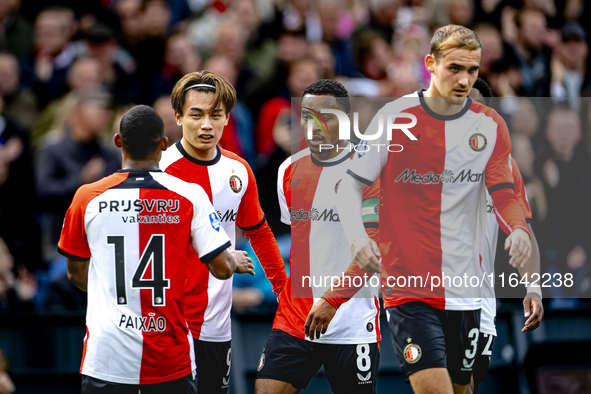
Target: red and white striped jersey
x=136 y=228
x=433 y=198
x=307 y=196
x=230 y=185
x=489 y=302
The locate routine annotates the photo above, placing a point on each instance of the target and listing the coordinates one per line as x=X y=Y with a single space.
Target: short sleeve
x=520 y=192
x=498 y=170
x=284 y=190
x=208 y=237
x=250 y=215
x=73 y=243
x=371 y=155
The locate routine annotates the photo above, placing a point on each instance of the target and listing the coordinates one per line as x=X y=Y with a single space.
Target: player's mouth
x=206 y=138
x=316 y=141
x=460 y=92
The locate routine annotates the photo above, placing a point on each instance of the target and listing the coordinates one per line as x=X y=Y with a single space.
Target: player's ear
x=164 y=143
x=117 y=140
x=430 y=63
x=227 y=119
x=178 y=118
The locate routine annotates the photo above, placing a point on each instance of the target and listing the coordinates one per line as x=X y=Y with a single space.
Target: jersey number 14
x=154 y=251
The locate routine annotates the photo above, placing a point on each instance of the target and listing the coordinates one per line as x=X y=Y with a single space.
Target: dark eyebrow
x=196 y=109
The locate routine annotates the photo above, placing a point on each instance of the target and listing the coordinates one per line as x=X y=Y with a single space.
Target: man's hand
x=243 y=262
x=519 y=246
x=319 y=318
x=534 y=302
x=366 y=254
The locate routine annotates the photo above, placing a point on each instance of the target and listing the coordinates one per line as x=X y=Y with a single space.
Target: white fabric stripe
x=330 y=255
x=113 y=354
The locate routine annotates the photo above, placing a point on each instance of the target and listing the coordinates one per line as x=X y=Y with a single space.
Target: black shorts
x=213 y=361
x=485 y=347
x=425 y=337
x=349 y=368
x=185 y=385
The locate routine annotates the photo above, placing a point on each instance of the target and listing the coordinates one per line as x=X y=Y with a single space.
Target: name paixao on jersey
x=447 y=176
x=159 y=207
x=145 y=324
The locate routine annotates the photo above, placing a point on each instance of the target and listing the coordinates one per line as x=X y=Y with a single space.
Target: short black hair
x=331 y=88
x=484 y=90
x=141 y=130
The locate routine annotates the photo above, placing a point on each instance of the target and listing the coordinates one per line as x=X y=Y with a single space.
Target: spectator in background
x=324 y=58
x=16 y=292
x=525 y=158
x=532 y=35
x=570 y=75
x=149 y=51
x=180 y=58
x=372 y=56
x=77 y=158
x=329 y=12
x=16 y=35
x=566 y=175
x=382 y=19
x=492 y=48
x=461 y=12
x=238 y=136
x=118 y=68
x=84 y=75
x=6 y=385
x=525 y=120
x=274 y=137
x=172 y=131
x=18 y=225
x=292 y=46
x=407 y=70
x=129 y=14
x=20 y=104
x=54 y=53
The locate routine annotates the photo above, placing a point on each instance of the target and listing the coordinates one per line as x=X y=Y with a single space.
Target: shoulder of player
x=227 y=155
x=191 y=191
x=401 y=104
x=86 y=193
x=169 y=156
x=480 y=108
x=293 y=159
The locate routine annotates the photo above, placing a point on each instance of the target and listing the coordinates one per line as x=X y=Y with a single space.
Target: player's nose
x=207 y=124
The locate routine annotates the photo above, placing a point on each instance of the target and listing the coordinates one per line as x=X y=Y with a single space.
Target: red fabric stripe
x=84 y=349
x=197 y=276
x=377 y=324
x=165 y=352
x=292 y=312
x=412 y=247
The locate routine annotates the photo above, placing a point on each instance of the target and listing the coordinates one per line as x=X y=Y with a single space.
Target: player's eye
x=454 y=68
x=305 y=117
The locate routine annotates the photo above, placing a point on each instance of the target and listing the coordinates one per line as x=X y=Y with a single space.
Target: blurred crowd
x=69 y=70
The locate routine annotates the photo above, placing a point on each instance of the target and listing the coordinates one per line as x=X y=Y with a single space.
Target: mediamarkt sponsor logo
x=410 y=175
x=314 y=215
x=229 y=216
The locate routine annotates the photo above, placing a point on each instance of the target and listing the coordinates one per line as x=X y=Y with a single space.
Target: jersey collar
x=218 y=156
x=435 y=115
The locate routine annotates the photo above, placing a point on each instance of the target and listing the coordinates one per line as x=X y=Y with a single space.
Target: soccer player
x=202 y=102
x=126 y=239
x=532 y=303
x=433 y=196
x=307 y=185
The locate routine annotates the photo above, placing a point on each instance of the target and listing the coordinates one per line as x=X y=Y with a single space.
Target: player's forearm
x=265 y=247
x=78 y=273
x=349 y=203
x=509 y=213
x=533 y=265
